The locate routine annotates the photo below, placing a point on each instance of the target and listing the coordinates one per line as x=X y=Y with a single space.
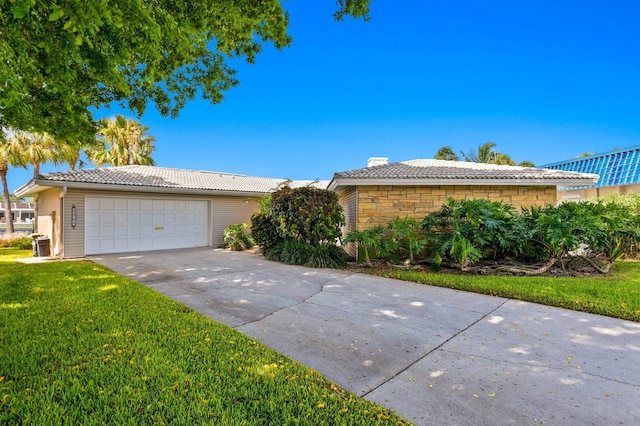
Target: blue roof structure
x=619 y=167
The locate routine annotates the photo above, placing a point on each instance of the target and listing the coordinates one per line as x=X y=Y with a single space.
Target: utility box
x=41 y=247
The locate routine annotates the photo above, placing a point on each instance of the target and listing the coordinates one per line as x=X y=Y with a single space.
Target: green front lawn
x=80 y=344
x=616 y=295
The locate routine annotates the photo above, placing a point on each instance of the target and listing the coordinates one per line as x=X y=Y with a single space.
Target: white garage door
x=115 y=225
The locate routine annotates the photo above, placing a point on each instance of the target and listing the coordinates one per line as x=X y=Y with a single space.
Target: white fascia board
x=35 y=188
x=338 y=183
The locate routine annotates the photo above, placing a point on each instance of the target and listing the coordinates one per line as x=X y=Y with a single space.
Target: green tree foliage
x=447 y=154
x=122 y=141
x=10 y=155
x=485 y=153
x=60 y=59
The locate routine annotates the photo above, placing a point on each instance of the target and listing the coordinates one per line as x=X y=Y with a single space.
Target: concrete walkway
x=435 y=356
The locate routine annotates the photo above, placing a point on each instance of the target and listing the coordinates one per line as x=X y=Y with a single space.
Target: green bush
x=308 y=214
x=264 y=231
x=466 y=231
x=373 y=241
x=296 y=252
x=630 y=201
x=237 y=238
x=300 y=226
x=409 y=238
x=16 y=240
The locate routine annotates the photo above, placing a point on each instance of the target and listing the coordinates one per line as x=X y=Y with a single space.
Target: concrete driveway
x=435 y=356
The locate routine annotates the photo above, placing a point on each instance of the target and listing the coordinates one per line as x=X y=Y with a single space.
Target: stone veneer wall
x=377 y=205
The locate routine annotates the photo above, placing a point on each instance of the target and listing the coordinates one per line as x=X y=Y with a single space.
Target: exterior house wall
x=349 y=203
x=226 y=211
x=49 y=219
x=592 y=194
x=223 y=211
x=377 y=205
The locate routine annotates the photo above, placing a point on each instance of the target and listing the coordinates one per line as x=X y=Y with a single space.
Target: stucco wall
x=49 y=219
x=377 y=205
x=592 y=194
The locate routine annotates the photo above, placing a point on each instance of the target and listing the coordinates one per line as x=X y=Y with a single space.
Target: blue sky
x=544 y=80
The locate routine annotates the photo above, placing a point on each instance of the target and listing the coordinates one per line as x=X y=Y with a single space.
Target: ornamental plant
x=373 y=241
x=408 y=236
x=301 y=226
x=466 y=231
x=237 y=238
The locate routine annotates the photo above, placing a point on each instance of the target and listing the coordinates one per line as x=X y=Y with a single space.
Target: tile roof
x=176 y=179
x=458 y=170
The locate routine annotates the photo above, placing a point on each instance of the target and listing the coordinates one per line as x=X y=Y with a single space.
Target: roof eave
x=338 y=183
x=39 y=186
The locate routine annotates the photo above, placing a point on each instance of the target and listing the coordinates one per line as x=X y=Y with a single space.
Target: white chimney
x=377 y=161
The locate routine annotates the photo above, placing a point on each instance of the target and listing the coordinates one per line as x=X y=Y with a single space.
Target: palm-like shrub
x=373 y=241
x=408 y=236
x=466 y=231
x=237 y=238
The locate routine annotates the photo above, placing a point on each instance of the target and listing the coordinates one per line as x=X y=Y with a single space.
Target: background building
x=619 y=173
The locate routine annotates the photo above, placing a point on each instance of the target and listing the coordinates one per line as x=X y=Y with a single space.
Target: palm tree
x=484 y=154
x=70 y=153
x=10 y=155
x=487 y=154
x=37 y=149
x=446 y=153
x=122 y=142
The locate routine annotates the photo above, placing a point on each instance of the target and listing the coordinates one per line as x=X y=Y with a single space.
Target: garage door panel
x=106 y=217
x=133 y=224
x=107 y=204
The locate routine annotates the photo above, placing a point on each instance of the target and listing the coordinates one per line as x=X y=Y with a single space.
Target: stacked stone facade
x=377 y=205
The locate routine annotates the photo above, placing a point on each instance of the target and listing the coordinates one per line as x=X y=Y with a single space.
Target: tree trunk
x=36 y=172
x=7 y=202
x=531 y=272
x=603 y=270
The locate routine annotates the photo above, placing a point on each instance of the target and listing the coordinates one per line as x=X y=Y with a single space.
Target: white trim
x=344 y=182
x=35 y=188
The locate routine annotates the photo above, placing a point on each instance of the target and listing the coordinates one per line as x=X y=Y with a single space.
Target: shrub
x=264 y=231
x=630 y=201
x=236 y=237
x=16 y=240
x=308 y=214
x=469 y=230
x=372 y=239
x=408 y=236
x=296 y=252
x=300 y=226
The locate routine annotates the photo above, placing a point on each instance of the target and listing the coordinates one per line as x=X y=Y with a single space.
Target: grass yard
x=80 y=344
x=617 y=295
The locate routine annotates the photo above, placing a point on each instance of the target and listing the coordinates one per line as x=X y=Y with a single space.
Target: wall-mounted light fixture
x=74 y=216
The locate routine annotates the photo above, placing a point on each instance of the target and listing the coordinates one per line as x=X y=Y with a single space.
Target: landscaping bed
x=616 y=294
